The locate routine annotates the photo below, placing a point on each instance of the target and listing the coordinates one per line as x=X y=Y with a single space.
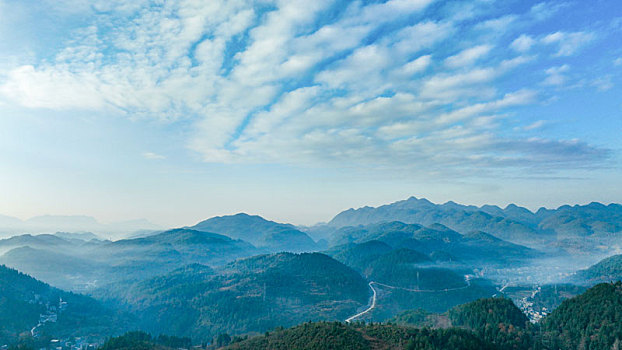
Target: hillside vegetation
x=23 y=300
x=592 y=320
x=250 y=295
x=338 y=336
x=606 y=270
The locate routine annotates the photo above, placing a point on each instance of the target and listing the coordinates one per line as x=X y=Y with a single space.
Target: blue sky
x=295 y=110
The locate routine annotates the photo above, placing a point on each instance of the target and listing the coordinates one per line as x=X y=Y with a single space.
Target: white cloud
x=417 y=65
x=555 y=75
x=366 y=61
x=523 y=43
x=468 y=57
x=450 y=87
x=153 y=156
x=538 y=124
x=511 y=99
x=603 y=83
x=51 y=88
x=568 y=43
x=498 y=25
x=417 y=37
x=545 y=10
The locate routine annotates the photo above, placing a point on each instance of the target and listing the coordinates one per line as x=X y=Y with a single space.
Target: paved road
x=371 y=307
x=32 y=331
x=375 y=295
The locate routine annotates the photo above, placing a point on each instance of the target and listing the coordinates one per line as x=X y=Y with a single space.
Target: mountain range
x=436 y=240
x=245 y=275
x=11 y=226
x=81 y=265
x=512 y=223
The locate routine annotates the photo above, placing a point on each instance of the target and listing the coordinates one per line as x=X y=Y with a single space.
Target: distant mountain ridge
x=10 y=226
x=260 y=232
x=80 y=266
x=437 y=238
x=512 y=223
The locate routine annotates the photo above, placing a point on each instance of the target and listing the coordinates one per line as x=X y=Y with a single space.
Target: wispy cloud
x=535 y=125
x=544 y=10
x=523 y=43
x=468 y=56
x=568 y=43
x=153 y=156
x=556 y=75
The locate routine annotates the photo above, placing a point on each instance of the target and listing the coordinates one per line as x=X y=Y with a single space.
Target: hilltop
x=259 y=232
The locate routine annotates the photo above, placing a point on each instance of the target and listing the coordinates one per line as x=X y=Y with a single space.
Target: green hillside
x=143 y=341
x=438 y=240
x=338 y=336
x=358 y=255
x=606 y=270
x=23 y=300
x=592 y=320
x=497 y=320
x=250 y=295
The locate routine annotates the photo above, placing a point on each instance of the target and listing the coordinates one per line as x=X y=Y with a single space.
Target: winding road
x=375 y=294
x=371 y=307
x=32 y=331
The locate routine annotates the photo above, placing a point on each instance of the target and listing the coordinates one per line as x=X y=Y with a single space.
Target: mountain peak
x=258 y=231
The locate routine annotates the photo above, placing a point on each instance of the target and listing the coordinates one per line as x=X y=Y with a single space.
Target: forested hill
x=25 y=302
x=592 y=320
x=606 y=270
x=475 y=247
x=250 y=295
x=339 y=336
x=496 y=320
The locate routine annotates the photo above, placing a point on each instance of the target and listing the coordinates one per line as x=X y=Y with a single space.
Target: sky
x=176 y=111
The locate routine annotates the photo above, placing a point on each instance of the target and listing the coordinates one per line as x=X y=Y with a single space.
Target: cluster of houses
x=51 y=314
x=77 y=343
x=527 y=306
